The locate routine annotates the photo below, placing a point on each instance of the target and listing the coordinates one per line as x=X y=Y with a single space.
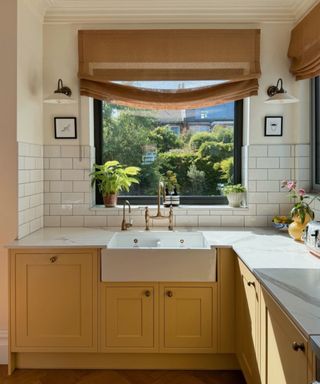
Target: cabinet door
x=55 y=301
x=189 y=318
x=285 y=348
x=128 y=318
x=248 y=324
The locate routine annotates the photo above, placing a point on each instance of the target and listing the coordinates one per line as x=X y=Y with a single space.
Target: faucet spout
x=124 y=224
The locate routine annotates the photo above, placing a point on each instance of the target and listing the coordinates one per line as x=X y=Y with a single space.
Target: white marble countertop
x=284 y=267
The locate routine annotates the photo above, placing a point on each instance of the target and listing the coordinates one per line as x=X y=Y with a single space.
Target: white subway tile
x=285 y=209
x=72 y=221
x=23 y=203
x=268 y=209
x=257 y=197
x=256 y=221
x=52 y=221
x=36 y=175
x=21 y=190
x=258 y=150
x=23 y=149
x=39 y=163
x=81 y=163
x=60 y=209
x=279 y=150
x=252 y=162
x=278 y=197
x=70 y=151
x=187 y=221
x=60 y=163
x=52 y=174
x=39 y=211
x=53 y=198
x=221 y=212
x=35 y=225
x=302 y=175
x=51 y=151
x=287 y=162
x=82 y=210
x=71 y=174
x=210 y=221
x=103 y=211
x=268 y=186
x=23 y=230
x=302 y=150
x=46 y=163
x=268 y=162
x=252 y=186
x=302 y=162
x=114 y=221
x=60 y=186
x=232 y=221
x=81 y=186
x=36 y=199
x=279 y=174
x=21 y=161
x=249 y=211
x=95 y=221
x=72 y=198
x=46 y=210
x=258 y=174
x=23 y=176
x=29 y=163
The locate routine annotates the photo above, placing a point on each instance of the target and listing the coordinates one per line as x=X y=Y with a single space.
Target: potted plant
x=111 y=178
x=235 y=194
x=171 y=187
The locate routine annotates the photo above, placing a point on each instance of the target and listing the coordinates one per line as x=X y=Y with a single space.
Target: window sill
x=180 y=209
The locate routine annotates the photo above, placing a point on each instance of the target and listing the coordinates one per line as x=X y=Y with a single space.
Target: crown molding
x=174 y=11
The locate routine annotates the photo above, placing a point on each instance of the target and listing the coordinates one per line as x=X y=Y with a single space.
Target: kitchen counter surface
x=284 y=267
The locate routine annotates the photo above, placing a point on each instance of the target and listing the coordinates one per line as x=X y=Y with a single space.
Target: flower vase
x=296 y=228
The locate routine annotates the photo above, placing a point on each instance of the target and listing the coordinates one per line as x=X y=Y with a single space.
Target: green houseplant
x=111 y=178
x=171 y=186
x=235 y=194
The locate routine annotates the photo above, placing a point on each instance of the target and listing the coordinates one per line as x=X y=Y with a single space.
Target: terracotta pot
x=296 y=228
x=110 y=200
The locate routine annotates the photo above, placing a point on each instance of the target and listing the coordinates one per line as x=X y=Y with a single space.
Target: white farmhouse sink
x=158 y=256
x=158 y=240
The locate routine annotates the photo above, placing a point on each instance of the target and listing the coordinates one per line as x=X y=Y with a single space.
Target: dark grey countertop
x=298 y=293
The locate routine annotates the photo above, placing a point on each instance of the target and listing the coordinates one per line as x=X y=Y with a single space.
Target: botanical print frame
x=65 y=127
x=273 y=125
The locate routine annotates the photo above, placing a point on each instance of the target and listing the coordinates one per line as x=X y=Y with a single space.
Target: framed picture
x=65 y=127
x=273 y=125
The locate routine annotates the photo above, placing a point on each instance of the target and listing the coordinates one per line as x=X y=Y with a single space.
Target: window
x=316 y=132
x=202 y=147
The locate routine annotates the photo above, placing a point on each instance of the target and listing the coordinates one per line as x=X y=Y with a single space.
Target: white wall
x=61 y=60
x=29 y=75
x=8 y=153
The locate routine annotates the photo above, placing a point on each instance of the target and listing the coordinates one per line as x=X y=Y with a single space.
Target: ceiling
x=173 y=11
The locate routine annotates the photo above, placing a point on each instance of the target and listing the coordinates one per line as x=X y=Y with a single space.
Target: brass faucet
x=124 y=224
x=159 y=215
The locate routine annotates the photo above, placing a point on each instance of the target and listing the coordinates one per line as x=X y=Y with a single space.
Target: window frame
x=315 y=134
x=184 y=200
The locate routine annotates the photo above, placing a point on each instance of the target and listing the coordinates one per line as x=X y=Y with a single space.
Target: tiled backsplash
x=69 y=200
x=54 y=189
x=30 y=186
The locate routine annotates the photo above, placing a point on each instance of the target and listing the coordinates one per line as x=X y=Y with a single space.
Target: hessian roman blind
x=232 y=56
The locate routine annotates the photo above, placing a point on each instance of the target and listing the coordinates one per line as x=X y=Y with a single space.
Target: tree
x=165 y=139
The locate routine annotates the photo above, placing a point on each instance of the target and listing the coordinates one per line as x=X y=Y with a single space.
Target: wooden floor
x=49 y=376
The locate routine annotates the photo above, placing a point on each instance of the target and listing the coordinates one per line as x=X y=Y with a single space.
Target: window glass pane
x=171 y=85
x=192 y=148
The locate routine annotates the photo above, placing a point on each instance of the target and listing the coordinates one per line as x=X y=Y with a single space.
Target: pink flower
x=301 y=192
x=291 y=185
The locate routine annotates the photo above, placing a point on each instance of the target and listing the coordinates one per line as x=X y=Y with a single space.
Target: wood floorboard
x=85 y=376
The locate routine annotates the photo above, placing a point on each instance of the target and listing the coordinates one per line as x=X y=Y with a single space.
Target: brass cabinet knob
x=53 y=259
x=298 y=346
x=251 y=283
x=169 y=293
x=147 y=293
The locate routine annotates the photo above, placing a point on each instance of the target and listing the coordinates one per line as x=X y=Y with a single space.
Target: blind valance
x=304 y=48
x=131 y=55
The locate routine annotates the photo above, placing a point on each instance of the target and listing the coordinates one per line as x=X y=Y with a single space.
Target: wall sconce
x=277 y=95
x=62 y=95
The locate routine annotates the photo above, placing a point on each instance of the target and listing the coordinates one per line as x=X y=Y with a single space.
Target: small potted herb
x=171 y=187
x=235 y=194
x=111 y=178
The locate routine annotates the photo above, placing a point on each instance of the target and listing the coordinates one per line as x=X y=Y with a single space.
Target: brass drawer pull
x=169 y=293
x=53 y=259
x=298 y=346
x=147 y=293
x=251 y=283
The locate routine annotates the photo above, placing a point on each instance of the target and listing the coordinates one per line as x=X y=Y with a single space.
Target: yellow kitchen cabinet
x=53 y=300
x=188 y=318
x=248 y=323
x=128 y=321
x=286 y=358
